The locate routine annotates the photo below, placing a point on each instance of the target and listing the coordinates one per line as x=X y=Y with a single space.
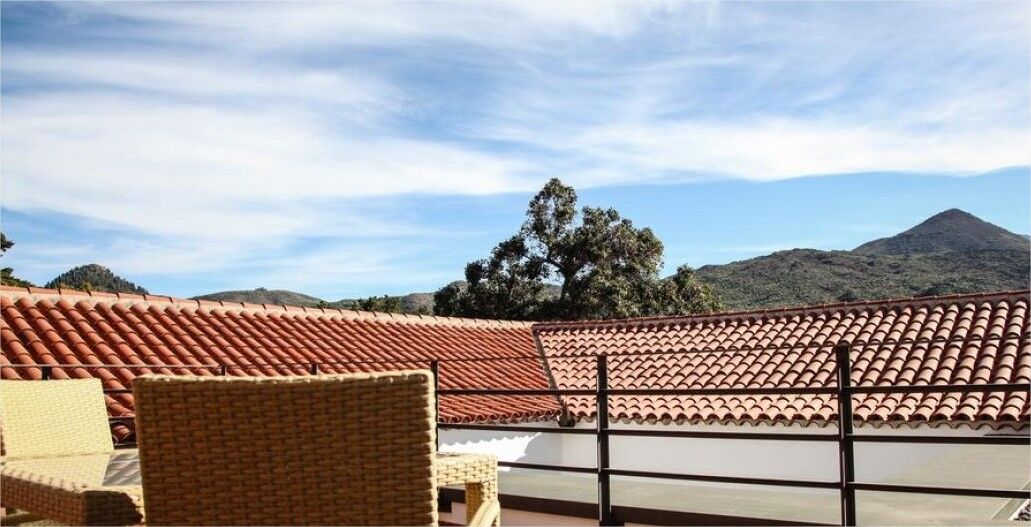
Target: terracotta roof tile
x=40 y=326
x=946 y=340
x=960 y=339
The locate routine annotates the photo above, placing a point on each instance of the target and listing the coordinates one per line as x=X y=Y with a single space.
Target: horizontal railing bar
x=478 y=391
x=722 y=435
x=957 y=440
x=954 y=491
x=726 y=479
x=506 y=428
x=943 y=388
x=949 y=388
x=541 y=466
x=120 y=418
x=797 y=390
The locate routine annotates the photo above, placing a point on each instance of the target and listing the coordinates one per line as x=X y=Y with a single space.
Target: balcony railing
x=607 y=514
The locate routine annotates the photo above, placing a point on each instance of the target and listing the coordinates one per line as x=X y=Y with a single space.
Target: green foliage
x=383 y=304
x=7 y=274
x=601 y=265
x=93 y=277
x=7 y=278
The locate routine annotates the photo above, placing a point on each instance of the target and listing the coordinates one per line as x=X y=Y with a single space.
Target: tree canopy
x=388 y=304
x=570 y=264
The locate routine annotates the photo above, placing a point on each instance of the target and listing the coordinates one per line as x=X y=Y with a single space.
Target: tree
x=7 y=274
x=565 y=264
x=388 y=304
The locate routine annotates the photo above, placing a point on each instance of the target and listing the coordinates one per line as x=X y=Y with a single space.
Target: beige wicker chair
x=321 y=450
x=53 y=418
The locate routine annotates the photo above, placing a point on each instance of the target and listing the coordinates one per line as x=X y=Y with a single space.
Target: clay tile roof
x=958 y=339
x=940 y=340
x=41 y=326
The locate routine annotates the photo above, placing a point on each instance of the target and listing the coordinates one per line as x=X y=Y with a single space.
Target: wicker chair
x=53 y=418
x=322 y=450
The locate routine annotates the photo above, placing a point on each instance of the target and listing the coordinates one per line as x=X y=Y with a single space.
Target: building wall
x=726 y=457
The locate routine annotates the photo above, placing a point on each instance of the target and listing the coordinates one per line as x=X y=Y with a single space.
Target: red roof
x=961 y=339
x=945 y=340
x=42 y=326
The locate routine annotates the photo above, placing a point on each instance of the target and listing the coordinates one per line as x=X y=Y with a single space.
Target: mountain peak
x=952 y=214
x=94 y=277
x=950 y=230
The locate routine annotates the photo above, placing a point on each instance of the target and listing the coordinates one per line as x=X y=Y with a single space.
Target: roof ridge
x=817 y=308
x=353 y=314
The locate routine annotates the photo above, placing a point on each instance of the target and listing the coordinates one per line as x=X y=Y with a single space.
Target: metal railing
x=845 y=436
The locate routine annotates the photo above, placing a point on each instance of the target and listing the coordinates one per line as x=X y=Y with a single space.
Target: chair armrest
x=487 y=514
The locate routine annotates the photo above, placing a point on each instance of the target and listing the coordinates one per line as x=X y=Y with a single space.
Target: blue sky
x=346 y=149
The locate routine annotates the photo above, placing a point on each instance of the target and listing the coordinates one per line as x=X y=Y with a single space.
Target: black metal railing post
x=313 y=368
x=846 y=454
x=601 y=397
x=46 y=372
x=222 y=370
x=435 y=368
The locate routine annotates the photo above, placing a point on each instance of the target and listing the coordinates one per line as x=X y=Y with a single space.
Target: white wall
x=813 y=460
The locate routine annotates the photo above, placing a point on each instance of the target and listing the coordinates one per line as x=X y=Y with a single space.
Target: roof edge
x=780 y=311
x=977 y=424
x=73 y=295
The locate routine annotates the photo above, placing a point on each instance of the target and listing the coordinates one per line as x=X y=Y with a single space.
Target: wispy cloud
x=243 y=127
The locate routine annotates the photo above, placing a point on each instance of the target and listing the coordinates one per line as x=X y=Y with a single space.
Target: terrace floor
x=962 y=468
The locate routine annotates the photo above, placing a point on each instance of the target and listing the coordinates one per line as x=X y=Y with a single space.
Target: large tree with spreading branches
x=567 y=264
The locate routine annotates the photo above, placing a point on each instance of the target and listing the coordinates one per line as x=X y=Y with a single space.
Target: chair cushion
x=53 y=418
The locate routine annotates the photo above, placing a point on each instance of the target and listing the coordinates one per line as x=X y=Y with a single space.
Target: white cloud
x=261 y=25
x=188 y=169
x=241 y=127
x=781 y=149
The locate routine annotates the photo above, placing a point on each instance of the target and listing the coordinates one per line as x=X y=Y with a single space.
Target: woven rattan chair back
x=319 y=450
x=53 y=418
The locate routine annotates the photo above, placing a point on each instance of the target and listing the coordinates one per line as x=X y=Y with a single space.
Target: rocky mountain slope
x=950 y=252
x=949 y=231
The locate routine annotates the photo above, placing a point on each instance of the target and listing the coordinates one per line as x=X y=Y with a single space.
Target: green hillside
x=94 y=277
x=951 y=252
x=263 y=296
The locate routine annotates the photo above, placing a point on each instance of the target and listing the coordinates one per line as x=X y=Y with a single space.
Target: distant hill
x=410 y=303
x=951 y=252
x=952 y=230
x=264 y=296
x=94 y=277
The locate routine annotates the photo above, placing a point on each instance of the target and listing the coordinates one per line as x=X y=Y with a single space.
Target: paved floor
x=969 y=466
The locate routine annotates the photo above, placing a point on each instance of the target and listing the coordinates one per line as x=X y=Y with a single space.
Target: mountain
x=94 y=277
x=950 y=252
x=264 y=296
x=410 y=303
x=952 y=230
